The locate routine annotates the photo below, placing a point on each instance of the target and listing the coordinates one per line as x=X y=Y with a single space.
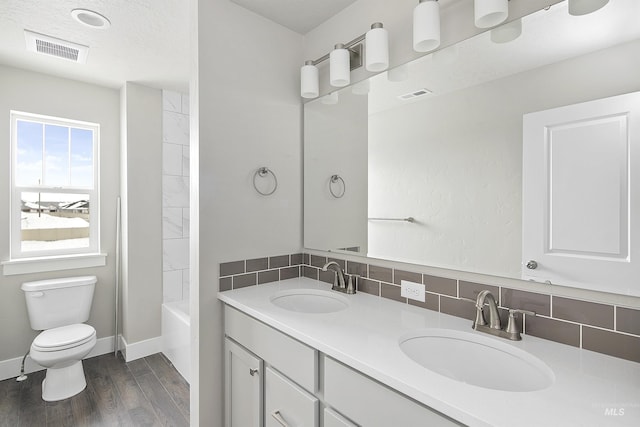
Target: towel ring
x=334 y=179
x=263 y=172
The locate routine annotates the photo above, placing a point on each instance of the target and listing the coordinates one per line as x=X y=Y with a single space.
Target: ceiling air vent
x=47 y=45
x=415 y=94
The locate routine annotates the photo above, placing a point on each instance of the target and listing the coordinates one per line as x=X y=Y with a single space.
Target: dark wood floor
x=145 y=392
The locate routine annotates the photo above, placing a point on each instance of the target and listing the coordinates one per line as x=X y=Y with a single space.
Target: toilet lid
x=64 y=337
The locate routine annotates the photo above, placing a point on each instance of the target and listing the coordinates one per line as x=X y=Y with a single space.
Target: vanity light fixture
x=339 y=66
x=489 y=13
x=583 y=7
x=90 y=19
x=330 y=98
x=377 y=48
x=309 y=86
x=426 y=26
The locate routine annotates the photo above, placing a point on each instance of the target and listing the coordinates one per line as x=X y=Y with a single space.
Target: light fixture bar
x=355 y=50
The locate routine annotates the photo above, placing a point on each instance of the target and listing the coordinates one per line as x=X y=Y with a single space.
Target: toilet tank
x=59 y=302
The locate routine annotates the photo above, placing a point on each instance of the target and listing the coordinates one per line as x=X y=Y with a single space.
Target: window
x=54 y=185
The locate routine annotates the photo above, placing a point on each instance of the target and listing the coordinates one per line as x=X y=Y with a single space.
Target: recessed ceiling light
x=90 y=18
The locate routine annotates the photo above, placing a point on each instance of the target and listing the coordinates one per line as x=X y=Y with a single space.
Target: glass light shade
x=489 y=13
x=507 y=32
x=583 y=7
x=339 y=67
x=426 y=26
x=309 y=86
x=377 y=48
x=330 y=99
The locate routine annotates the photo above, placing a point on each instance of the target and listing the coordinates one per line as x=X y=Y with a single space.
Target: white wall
x=42 y=94
x=335 y=142
x=141 y=212
x=247 y=111
x=397 y=15
x=175 y=196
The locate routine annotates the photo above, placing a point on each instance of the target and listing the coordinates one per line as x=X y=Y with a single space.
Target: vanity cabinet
x=296 y=386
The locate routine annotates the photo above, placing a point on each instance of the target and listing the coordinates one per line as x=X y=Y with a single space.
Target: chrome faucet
x=339 y=283
x=495 y=327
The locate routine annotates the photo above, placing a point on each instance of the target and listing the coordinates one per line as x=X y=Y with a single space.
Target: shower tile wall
x=175 y=196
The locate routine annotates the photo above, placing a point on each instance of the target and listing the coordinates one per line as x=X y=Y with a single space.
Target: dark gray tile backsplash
x=593 y=326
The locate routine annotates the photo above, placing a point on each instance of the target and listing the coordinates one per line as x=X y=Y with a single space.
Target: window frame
x=16 y=252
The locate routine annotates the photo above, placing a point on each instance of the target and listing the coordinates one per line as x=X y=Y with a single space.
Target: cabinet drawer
x=294 y=359
x=286 y=404
x=332 y=419
x=372 y=404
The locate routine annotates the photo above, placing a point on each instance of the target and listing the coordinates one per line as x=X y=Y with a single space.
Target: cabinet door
x=332 y=419
x=286 y=404
x=581 y=195
x=243 y=387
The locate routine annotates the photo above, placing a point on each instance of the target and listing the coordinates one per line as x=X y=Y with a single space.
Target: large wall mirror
x=423 y=163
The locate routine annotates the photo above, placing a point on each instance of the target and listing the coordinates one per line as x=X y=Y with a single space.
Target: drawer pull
x=276 y=416
x=252 y=372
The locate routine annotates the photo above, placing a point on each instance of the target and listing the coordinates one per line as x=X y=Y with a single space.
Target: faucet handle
x=513 y=311
x=512 y=326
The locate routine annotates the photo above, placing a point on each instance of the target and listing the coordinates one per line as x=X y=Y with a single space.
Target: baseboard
x=10 y=368
x=140 y=349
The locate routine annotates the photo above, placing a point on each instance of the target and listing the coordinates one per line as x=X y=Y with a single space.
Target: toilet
x=58 y=308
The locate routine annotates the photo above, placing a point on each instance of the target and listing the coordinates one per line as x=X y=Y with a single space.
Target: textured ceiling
x=300 y=16
x=147 y=43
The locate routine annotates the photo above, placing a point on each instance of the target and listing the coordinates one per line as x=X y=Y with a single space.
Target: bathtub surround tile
x=589 y=313
x=172 y=286
x=382 y=274
x=244 y=280
x=175 y=128
x=440 y=285
x=279 y=261
x=186 y=154
x=186 y=222
x=289 y=272
x=257 y=264
x=171 y=159
x=628 y=320
x=175 y=192
x=310 y=272
x=608 y=342
x=186 y=283
x=231 y=268
x=538 y=303
x=399 y=275
x=297 y=259
x=471 y=290
x=172 y=223
x=171 y=101
x=175 y=254
x=391 y=292
x=553 y=330
x=369 y=286
x=268 y=276
x=431 y=302
x=357 y=268
x=318 y=261
x=457 y=307
x=226 y=284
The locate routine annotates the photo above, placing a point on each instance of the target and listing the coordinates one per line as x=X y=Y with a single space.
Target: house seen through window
x=54 y=209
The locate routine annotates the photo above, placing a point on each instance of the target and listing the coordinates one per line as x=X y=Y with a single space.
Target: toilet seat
x=64 y=337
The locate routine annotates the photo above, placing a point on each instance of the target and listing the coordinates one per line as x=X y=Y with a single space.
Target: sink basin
x=474 y=359
x=310 y=301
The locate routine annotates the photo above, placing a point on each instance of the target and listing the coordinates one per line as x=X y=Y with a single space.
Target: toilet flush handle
x=37 y=294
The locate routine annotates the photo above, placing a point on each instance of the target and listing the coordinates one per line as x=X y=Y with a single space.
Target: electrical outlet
x=412 y=290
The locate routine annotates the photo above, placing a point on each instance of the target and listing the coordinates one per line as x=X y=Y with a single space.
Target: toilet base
x=63 y=382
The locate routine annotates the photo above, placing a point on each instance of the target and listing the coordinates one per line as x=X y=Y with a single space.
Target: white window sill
x=39 y=265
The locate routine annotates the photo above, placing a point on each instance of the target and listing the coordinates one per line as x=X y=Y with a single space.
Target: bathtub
x=176 y=333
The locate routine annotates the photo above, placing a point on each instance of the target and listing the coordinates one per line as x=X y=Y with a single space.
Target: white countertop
x=365 y=336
